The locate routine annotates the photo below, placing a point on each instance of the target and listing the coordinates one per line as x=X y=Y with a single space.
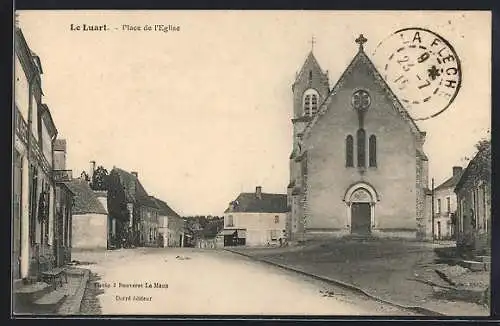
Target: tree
x=99 y=179
x=483 y=159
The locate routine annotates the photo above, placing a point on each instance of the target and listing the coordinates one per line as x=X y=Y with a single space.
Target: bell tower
x=310 y=89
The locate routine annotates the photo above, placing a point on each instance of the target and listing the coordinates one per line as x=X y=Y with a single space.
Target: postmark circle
x=422 y=69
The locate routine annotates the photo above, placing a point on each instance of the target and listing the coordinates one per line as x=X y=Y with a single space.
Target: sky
x=203 y=113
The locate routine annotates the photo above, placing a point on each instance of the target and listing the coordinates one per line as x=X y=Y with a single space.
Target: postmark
x=423 y=70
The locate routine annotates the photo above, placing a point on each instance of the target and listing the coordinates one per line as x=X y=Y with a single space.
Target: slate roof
x=311 y=59
x=85 y=201
x=249 y=203
x=450 y=183
x=134 y=190
x=476 y=168
x=165 y=210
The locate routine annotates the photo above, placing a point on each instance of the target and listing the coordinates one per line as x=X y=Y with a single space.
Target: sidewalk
x=77 y=282
x=388 y=270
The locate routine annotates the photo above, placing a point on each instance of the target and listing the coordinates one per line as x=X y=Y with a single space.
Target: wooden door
x=360 y=218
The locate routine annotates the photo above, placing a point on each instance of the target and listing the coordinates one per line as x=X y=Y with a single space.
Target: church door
x=360 y=218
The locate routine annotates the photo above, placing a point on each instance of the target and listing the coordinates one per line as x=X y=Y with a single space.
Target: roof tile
x=268 y=203
x=86 y=201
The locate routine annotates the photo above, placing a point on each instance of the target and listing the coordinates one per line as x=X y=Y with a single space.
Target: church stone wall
x=394 y=178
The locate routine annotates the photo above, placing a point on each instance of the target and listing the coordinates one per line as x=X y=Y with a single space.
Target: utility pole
x=432 y=208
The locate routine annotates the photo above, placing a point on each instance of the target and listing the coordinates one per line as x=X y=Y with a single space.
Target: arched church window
x=314 y=104
x=307 y=105
x=372 y=148
x=310 y=102
x=361 y=148
x=310 y=75
x=349 y=150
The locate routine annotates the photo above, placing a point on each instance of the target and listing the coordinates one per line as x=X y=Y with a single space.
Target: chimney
x=92 y=170
x=258 y=192
x=60 y=154
x=457 y=170
x=135 y=174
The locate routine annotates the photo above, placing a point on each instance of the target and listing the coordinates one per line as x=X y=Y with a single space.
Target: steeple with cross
x=361 y=40
x=312 y=41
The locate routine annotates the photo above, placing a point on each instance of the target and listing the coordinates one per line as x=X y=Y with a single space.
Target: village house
x=474 y=204
x=357 y=165
x=255 y=219
x=170 y=225
x=34 y=189
x=134 y=212
x=445 y=206
x=90 y=217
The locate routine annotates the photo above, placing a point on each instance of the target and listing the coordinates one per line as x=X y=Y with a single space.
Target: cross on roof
x=361 y=40
x=313 y=41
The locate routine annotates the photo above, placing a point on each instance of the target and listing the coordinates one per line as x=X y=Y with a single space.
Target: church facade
x=357 y=166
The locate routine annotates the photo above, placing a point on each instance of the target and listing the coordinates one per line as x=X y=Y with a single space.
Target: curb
x=72 y=306
x=415 y=309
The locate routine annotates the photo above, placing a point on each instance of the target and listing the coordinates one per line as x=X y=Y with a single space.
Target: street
x=178 y=281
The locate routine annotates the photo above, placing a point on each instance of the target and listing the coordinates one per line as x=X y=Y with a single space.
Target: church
x=357 y=167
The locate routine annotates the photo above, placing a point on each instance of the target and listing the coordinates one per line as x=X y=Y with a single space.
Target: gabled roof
x=85 y=201
x=268 y=203
x=134 y=191
x=45 y=112
x=310 y=60
x=362 y=58
x=479 y=166
x=450 y=182
x=165 y=210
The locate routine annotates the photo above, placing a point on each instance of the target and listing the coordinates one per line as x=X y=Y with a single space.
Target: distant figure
x=281 y=242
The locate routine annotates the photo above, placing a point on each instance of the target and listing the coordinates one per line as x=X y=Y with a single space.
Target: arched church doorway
x=360 y=200
x=361 y=212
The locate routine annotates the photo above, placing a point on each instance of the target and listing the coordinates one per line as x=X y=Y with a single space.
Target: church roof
x=310 y=60
x=268 y=203
x=362 y=58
